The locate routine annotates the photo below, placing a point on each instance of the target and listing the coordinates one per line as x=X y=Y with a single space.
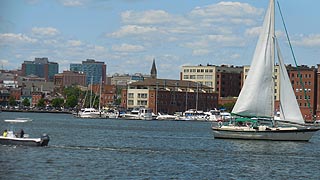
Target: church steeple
x=154 y=70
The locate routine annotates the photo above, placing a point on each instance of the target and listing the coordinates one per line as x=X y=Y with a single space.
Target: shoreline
x=35 y=111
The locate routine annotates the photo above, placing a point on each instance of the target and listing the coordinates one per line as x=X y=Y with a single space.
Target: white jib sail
x=289 y=109
x=257 y=94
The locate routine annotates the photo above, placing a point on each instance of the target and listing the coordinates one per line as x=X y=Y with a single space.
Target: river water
x=133 y=149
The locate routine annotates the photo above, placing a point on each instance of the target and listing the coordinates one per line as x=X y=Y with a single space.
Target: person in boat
x=21 y=133
x=5 y=133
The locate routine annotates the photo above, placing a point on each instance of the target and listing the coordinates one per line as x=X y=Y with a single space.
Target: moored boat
x=193 y=115
x=140 y=113
x=90 y=113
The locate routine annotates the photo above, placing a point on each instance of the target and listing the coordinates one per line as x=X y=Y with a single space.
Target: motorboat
x=193 y=115
x=90 y=113
x=111 y=113
x=139 y=113
x=218 y=115
x=162 y=116
x=10 y=138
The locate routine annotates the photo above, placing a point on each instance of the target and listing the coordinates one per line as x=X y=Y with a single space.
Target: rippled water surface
x=130 y=149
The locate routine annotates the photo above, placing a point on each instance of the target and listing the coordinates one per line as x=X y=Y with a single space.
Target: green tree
x=26 y=102
x=41 y=103
x=57 y=102
x=72 y=95
x=12 y=101
x=71 y=101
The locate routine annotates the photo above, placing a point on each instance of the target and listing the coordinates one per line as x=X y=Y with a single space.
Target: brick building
x=70 y=78
x=305 y=92
x=169 y=96
x=318 y=93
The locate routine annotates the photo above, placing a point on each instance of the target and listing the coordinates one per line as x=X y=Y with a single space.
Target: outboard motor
x=44 y=140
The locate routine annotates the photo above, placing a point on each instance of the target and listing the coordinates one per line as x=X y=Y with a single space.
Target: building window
x=142 y=103
x=130 y=102
x=130 y=95
x=192 y=77
x=142 y=95
x=208 y=76
x=208 y=83
x=200 y=77
x=185 y=77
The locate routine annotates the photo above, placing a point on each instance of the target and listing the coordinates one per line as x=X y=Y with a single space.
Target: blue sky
x=128 y=34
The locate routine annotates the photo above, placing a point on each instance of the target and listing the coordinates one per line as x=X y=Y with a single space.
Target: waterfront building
x=169 y=96
x=122 y=80
x=108 y=94
x=304 y=84
x=224 y=79
x=70 y=78
x=36 y=96
x=40 y=67
x=318 y=93
x=95 y=71
x=4 y=97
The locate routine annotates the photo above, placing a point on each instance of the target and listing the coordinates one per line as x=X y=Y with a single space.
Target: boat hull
x=274 y=135
x=43 y=141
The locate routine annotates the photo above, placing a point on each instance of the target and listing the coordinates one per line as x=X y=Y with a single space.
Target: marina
x=138 y=149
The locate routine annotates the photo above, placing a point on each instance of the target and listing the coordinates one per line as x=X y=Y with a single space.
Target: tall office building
x=94 y=70
x=40 y=67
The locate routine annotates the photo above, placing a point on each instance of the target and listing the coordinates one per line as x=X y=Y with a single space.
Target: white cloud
x=72 y=3
x=222 y=9
x=4 y=62
x=312 y=40
x=74 y=43
x=133 y=30
x=11 y=38
x=200 y=52
x=45 y=31
x=146 y=17
x=127 y=48
x=253 y=32
x=235 y=56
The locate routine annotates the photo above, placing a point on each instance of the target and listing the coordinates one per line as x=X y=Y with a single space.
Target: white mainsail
x=289 y=109
x=257 y=94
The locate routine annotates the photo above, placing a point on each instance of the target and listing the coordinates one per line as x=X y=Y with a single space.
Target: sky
x=128 y=34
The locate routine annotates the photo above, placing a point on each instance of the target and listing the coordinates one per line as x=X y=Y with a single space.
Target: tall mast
x=272 y=20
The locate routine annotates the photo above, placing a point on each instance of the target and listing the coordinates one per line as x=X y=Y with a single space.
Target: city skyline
x=128 y=35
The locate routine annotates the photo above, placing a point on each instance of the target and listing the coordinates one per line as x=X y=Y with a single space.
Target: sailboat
x=92 y=112
x=253 y=113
